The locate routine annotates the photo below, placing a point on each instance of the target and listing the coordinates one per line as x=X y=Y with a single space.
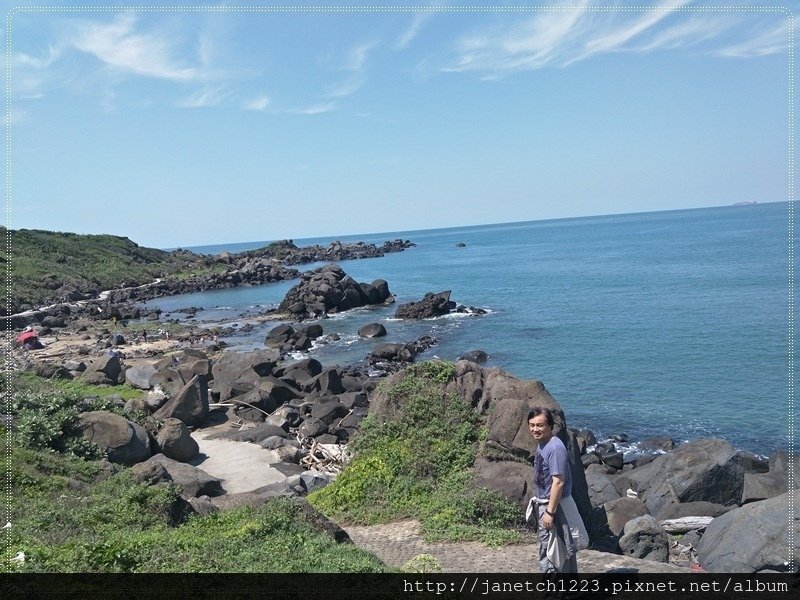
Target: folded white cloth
x=532 y=506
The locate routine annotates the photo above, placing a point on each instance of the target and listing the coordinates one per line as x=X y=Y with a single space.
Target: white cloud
x=205 y=97
x=346 y=88
x=768 y=41
x=691 y=32
x=417 y=23
x=117 y=45
x=22 y=60
x=560 y=38
x=315 y=109
x=258 y=103
x=357 y=56
x=618 y=37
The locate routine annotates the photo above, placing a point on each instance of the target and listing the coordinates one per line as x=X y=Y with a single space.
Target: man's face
x=539 y=428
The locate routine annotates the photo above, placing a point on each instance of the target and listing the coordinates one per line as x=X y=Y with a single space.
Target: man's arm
x=556 y=489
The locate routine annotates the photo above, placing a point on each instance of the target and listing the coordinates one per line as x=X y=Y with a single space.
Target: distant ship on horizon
x=747 y=203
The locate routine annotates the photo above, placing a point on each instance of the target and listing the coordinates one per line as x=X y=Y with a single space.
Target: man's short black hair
x=540 y=410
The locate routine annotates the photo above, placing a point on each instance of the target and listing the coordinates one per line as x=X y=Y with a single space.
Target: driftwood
x=685 y=524
x=320 y=457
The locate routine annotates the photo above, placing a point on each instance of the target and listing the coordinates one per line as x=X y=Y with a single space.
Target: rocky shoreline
x=251 y=268
x=303 y=414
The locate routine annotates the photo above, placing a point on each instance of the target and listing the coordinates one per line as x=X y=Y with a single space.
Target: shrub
x=417 y=465
x=66 y=521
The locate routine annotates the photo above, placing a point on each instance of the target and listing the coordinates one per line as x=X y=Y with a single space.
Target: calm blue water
x=670 y=322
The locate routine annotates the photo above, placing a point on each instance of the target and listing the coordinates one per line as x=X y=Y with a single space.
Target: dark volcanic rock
x=756 y=537
x=476 y=356
x=330 y=290
x=431 y=305
x=176 y=442
x=372 y=330
x=189 y=405
x=239 y=369
x=708 y=469
x=125 y=442
x=389 y=356
x=644 y=538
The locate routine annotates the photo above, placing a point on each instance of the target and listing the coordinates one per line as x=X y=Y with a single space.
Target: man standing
x=553 y=494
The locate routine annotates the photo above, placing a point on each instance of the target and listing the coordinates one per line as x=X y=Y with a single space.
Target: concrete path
x=395 y=543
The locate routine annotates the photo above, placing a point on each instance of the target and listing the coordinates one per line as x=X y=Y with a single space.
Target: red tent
x=25 y=336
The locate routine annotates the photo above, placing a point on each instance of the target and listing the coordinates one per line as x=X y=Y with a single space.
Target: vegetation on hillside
x=45 y=412
x=67 y=519
x=418 y=465
x=71 y=514
x=42 y=262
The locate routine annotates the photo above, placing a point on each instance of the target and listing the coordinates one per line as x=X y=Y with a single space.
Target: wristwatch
x=549 y=513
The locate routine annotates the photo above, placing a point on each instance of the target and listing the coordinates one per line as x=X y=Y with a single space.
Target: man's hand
x=547 y=521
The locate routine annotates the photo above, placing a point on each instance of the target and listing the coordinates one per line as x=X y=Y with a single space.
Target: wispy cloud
x=118 y=46
x=418 y=21
x=619 y=36
x=560 y=38
x=355 y=63
x=346 y=88
x=768 y=41
x=691 y=32
x=316 y=109
x=205 y=97
x=258 y=103
x=22 y=60
x=356 y=58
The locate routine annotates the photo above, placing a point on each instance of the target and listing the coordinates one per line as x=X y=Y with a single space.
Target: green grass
x=43 y=261
x=418 y=465
x=46 y=412
x=64 y=520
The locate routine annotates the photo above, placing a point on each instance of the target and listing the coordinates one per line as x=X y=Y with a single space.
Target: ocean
x=641 y=324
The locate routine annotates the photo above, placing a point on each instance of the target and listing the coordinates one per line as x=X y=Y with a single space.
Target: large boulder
x=753 y=538
x=124 y=441
x=512 y=479
x=168 y=379
x=139 y=376
x=274 y=392
x=104 y=370
x=279 y=335
x=431 y=305
x=476 y=356
x=176 y=441
x=300 y=372
x=190 y=404
x=643 y=537
x=243 y=368
x=330 y=290
x=372 y=330
x=601 y=488
x=192 y=480
x=621 y=511
x=393 y=352
x=707 y=469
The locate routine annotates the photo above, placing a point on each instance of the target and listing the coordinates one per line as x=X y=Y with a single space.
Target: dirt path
x=395 y=543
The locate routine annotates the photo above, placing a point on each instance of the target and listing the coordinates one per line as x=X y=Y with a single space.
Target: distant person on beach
x=144 y=336
x=552 y=505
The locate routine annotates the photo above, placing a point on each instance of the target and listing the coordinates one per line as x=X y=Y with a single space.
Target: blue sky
x=190 y=128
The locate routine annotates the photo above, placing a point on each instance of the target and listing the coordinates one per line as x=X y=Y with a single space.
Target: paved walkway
x=395 y=543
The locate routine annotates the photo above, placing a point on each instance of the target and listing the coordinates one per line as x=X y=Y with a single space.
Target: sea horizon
x=665 y=322
x=311 y=240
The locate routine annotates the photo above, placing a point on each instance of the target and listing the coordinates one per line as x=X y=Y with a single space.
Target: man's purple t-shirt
x=551 y=459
